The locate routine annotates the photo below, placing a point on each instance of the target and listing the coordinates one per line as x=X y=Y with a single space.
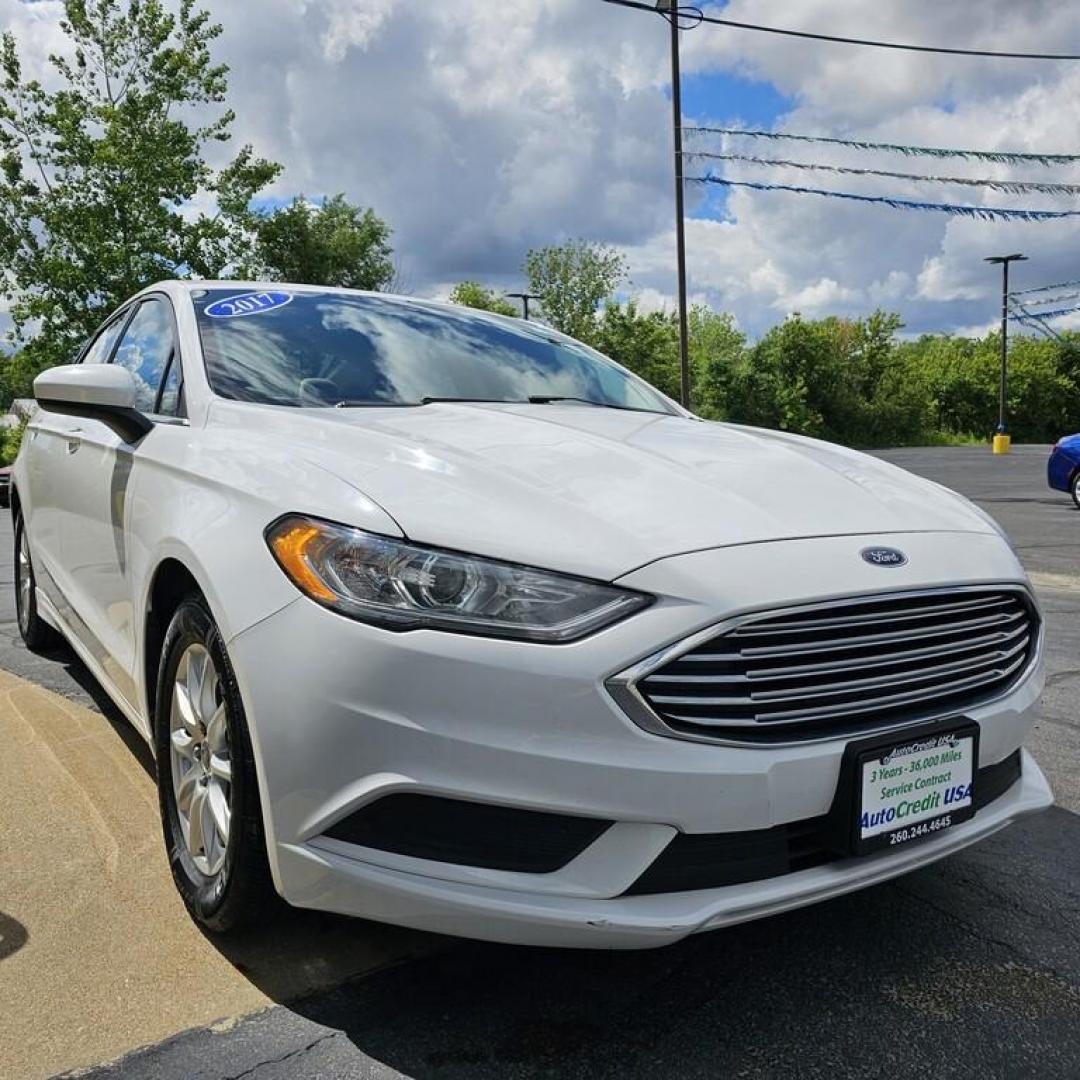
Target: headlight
x=402 y=586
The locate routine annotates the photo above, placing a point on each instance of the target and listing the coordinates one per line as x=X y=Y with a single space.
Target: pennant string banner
x=1045 y=288
x=1050 y=299
x=985 y=213
x=1037 y=315
x=1012 y=187
x=1001 y=157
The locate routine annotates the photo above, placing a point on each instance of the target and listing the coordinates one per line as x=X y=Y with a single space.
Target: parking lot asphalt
x=969 y=968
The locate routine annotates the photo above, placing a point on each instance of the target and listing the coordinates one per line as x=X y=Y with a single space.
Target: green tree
x=717 y=348
x=11 y=440
x=334 y=243
x=97 y=177
x=572 y=281
x=473 y=294
x=647 y=344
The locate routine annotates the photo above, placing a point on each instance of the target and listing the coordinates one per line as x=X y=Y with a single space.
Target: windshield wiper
x=548 y=399
x=470 y=400
x=535 y=399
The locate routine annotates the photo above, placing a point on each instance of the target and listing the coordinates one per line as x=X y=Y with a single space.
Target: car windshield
x=311 y=349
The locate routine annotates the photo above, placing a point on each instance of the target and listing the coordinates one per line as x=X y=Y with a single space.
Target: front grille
x=847 y=666
x=712 y=860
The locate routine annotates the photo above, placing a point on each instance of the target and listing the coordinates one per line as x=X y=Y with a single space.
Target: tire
x=38 y=635
x=1074 y=488
x=206 y=778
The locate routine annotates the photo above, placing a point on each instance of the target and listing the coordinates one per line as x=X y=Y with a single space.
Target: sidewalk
x=97 y=954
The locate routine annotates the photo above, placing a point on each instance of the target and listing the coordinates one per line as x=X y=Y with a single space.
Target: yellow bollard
x=1002 y=443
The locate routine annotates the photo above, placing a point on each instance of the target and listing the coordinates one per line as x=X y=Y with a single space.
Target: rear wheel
x=1074 y=488
x=35 y=631
x=207 y=786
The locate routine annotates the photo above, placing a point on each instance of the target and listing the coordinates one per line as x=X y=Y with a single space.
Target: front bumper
x=343 y=714
x=1060 y=469
x=345 y=885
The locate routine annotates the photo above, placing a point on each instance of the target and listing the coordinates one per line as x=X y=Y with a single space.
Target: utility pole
x=1001 y=435
x=670 y=10
x=524 y=297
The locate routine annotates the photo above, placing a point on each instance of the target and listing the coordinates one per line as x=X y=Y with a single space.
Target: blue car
x=1063 y=470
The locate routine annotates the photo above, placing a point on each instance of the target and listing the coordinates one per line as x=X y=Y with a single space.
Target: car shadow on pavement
x=79 y=673
x=13 y=936
x=969 y=967
x=295 y=953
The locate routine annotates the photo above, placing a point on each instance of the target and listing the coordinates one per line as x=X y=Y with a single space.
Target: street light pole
x=524 y=297
x=671 y=10
x=1001 y=436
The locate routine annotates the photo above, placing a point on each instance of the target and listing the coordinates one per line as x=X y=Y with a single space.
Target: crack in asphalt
x=1060 y=676
x=981 y=935
x=284 y=1057
x=1058 y=721
x=1015 y=499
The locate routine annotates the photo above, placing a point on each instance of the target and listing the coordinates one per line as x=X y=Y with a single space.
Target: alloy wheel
x=200 y=759
x=26 y=581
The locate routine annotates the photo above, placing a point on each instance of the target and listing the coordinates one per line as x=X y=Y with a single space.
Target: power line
x=699 y=17
x=999 y=157
x=985 y=213
x=1013 y=187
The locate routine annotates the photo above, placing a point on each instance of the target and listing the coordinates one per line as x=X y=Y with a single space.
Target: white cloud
x=927 y=266
x=480 y=129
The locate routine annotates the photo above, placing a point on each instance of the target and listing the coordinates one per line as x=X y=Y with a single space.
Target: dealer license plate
x=915 y=789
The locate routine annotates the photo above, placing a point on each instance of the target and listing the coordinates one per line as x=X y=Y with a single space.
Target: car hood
x=597 y=491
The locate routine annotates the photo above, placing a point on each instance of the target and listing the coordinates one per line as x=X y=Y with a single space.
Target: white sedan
x=444 y=619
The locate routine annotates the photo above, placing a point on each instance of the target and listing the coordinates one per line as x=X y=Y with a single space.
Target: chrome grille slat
x=994 y=638
x=829 y=689
x=758 y=630
x=899 y=635
x=790 y=716
x=849 y=665
x=830 y=667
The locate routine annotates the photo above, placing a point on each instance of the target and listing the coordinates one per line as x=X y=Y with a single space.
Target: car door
x=51 y=439
x=95 y=534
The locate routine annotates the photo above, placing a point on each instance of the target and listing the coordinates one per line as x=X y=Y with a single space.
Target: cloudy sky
x=481 y=128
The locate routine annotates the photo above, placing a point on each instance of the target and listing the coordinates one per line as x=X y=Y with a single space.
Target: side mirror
x=102 y=392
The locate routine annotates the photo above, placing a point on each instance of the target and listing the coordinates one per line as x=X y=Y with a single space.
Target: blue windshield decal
x=248 y=304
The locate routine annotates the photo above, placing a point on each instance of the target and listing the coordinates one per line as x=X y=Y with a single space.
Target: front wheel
x=1074 y=489
x=207 y=788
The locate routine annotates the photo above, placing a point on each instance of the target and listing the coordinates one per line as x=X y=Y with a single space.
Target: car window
x=321 y=349
x=172 y=403
x=99 y=351
x=145 y=349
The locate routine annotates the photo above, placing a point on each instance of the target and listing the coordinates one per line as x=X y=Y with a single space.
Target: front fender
x=194 y=498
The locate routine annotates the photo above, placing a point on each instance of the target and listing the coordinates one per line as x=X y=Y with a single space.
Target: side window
x=98 y=353
x=172 y=398
x=145 y=350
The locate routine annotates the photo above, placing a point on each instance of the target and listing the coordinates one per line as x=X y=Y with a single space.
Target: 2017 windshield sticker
x=248 y=304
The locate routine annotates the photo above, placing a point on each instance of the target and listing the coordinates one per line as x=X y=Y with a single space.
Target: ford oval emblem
x=883 y=556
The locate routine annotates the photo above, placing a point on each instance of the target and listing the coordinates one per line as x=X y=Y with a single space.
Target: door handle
x=73 y=438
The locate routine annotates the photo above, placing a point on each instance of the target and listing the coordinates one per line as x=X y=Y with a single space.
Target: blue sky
x=727 y=99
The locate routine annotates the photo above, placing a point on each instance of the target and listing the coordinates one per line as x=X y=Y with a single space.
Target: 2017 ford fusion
x=444 y=619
